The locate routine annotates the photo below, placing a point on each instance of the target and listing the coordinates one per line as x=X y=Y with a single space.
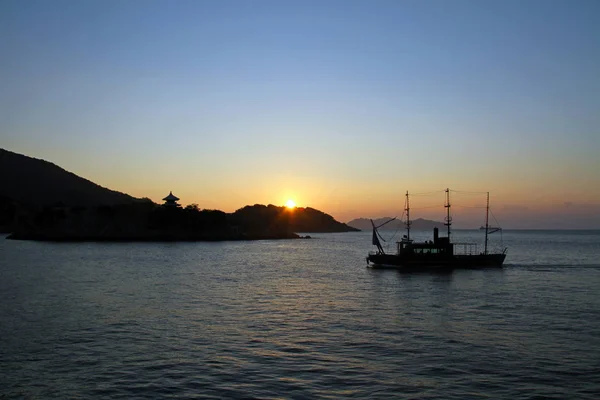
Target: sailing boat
x=440 y=253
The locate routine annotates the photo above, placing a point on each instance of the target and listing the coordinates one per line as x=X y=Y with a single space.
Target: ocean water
x=298 y=319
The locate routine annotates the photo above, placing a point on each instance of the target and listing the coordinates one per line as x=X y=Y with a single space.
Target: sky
x=339 y=105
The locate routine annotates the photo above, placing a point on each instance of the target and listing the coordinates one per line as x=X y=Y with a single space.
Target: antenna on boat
x=408 y=223
x=487 y=226
x=448 y=217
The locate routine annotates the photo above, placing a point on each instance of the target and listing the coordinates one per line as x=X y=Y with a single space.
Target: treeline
x=256 y=219
x=144 y=220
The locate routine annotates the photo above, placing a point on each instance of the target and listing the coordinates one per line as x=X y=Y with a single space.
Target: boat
x=437 y=254
x=491 y=229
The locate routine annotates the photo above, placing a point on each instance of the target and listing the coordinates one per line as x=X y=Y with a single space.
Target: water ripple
x=293 y=320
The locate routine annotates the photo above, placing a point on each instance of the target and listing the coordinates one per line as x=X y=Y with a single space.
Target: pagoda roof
x=170 y=197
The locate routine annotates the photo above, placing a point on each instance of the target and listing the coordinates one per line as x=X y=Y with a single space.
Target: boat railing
x=465 y=248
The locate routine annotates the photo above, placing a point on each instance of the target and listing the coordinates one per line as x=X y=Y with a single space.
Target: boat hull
x=451 y=262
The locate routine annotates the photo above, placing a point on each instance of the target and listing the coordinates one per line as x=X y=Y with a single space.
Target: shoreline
x=153 y=238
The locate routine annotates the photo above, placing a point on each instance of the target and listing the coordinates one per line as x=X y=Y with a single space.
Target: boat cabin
x=439 y=245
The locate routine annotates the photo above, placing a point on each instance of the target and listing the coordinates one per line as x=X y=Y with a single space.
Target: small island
x=147 y=221
x=57 y=205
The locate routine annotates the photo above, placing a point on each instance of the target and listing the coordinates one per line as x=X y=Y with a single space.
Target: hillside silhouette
x=298 y=219
x=31 y=182
x=146 y=221
x=417 y=224
x=41 y=201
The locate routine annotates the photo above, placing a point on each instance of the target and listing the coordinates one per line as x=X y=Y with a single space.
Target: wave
x=541 y=266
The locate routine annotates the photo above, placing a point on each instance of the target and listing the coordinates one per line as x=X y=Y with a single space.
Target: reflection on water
x=295 y=319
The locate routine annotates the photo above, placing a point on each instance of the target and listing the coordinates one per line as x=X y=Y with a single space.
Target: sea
x=298 y=319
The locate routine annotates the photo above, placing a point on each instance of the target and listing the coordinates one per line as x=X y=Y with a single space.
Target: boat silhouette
x=440 y=253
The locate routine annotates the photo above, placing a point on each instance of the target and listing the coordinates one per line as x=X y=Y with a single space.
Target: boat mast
x=448 y=217
x=408 y=223
x=487 y=212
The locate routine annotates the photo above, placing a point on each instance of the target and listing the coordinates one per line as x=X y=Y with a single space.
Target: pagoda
x=171 y=200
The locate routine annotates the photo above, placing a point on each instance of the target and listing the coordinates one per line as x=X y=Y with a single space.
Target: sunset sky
x=338 y=105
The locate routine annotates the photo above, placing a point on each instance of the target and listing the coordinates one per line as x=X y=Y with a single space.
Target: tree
x=192 y=207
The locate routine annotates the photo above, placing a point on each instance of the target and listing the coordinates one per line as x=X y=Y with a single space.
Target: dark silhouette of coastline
x=146 y=221
x=29 y=185
x=41 y=201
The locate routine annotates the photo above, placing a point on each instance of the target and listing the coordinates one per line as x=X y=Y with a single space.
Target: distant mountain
x=417 y=224
x=32 y=182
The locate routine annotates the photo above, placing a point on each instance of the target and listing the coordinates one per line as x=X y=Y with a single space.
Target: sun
x=290 y=203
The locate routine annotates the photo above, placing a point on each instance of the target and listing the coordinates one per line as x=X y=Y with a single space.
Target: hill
x=298 y=219
x=32 y=182
x=417 y=224
x=41 y=201
x=146 y=221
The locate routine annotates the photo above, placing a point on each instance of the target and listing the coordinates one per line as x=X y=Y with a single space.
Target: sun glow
x=290 y=203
